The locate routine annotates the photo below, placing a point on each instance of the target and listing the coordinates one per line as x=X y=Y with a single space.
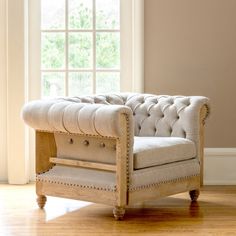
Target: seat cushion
x=154 y=151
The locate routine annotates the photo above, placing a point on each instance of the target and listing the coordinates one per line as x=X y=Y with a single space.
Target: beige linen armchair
x=118 y=149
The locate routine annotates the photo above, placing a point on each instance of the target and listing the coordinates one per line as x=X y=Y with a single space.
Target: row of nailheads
x=162 y=182
x=81 y=135
x=114 y=189
x=128 y=150
x=76 y=185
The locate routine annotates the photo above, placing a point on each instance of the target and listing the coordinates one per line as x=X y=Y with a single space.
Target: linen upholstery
x=155 y=151
x=106 y=180
x=151 y=139
x=93 y=152
x=81 y=177
x=66 y=115
x=164 y=173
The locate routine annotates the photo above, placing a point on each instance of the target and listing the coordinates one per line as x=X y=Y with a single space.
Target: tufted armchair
x=118 y=149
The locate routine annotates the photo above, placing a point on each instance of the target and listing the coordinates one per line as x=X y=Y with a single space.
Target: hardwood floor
x=214 y=214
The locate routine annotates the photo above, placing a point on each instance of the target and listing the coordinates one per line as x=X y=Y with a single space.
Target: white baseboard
x=220 y=166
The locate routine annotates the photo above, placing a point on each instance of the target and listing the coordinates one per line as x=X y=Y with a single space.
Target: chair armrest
x=193 y=111
x=78 y=118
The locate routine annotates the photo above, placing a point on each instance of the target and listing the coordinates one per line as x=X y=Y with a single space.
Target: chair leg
x=41 y=200
x=119 y=212
x=194 y=194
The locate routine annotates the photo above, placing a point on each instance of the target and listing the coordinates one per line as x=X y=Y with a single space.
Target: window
x=80 y=47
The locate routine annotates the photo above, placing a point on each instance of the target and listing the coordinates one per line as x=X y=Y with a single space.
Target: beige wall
x=190 y=49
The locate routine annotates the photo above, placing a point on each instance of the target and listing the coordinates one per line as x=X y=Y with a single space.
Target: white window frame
x=67 y=70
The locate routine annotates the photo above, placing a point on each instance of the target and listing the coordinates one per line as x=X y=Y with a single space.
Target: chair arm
x=193 y=111
x=78 y=118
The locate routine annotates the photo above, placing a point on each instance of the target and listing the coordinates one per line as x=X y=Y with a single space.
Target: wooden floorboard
x=214 y=214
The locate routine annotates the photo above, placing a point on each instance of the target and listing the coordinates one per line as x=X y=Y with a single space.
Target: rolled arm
x=77 y=118
x=193 y=112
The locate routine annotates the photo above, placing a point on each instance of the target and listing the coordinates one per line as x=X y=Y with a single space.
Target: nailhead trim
x=162 y=182
x=82 y=135
x=128 y=151
x=76 y=185
x=207 y=114
x=45 y=170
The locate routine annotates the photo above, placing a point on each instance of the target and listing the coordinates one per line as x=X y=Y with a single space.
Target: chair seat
x=154 y=151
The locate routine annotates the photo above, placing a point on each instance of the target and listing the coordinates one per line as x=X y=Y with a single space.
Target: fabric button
x=102 y=145
x=184 y=134
x=86 y=142
x=70 y=141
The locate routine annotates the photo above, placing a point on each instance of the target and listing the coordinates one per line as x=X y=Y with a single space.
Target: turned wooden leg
x=194 y=194
x=41 y=200
x=119 y=212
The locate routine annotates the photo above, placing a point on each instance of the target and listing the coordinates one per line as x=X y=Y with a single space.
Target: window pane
x=108 y=50
x=53 y=50
x=53 y=84
x=80 y=83
x=80 y=50
x=52 y=14
x=107 y=14
x=108 y=82
x=80 y=14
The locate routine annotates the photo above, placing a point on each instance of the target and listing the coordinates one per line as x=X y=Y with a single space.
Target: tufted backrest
x=163 y=116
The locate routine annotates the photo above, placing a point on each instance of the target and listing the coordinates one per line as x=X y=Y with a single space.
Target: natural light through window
x=80 y=47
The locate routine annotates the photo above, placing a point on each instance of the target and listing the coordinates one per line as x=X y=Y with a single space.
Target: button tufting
x=155 y=130
x=86 y=142
x=148 y=114
x=70 y=141
x=187 y=103
x=102 y=145
x=139 y=127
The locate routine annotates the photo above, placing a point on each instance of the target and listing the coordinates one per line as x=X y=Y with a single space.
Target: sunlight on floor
x=62 y=207
x=213 y=214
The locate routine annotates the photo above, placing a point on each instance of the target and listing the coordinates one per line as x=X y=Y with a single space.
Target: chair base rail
x=84 y=164
x=164 y=189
